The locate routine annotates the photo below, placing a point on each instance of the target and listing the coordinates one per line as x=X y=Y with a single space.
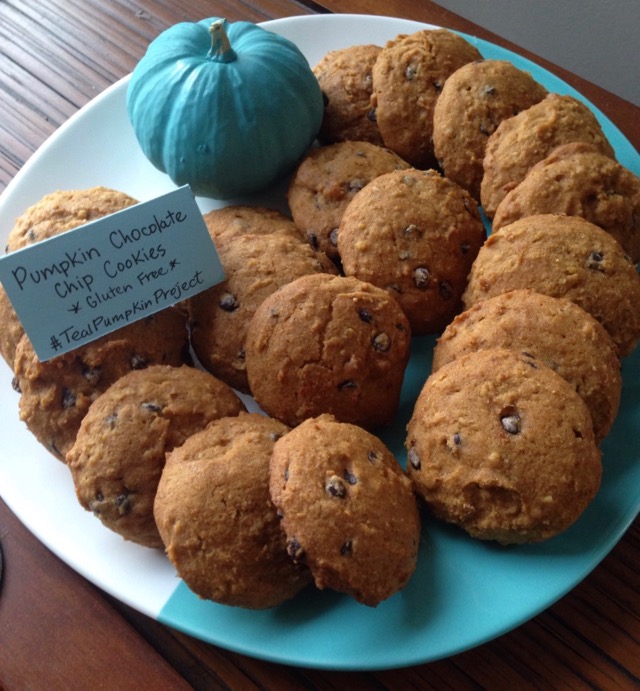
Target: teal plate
x=464 y=592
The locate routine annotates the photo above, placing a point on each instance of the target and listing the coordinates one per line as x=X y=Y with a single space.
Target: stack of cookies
x=315 y=319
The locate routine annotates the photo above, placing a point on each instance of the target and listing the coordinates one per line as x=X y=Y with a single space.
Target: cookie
x=255 y=265
x=408 y=76
x=521 y=141
x=328 y=344
x=577 y=180
x=347 y=507
x=55 y=395
x=415 y=234
x=215 y=515
x=344 y=76
x=474 y=100
x=119 y=451
x=555 y=331
x=55 y=213
x=563 y=256
x=327 y=180
x=502 y=446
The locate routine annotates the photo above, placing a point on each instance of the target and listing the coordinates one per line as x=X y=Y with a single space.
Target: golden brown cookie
x=521 y=141
x=408 y=77
x=214 y=513
x=344 y=76
x=55 y=213
x=55 y=395
x=328 y=344
x=502 y=446
x=577 y=180
x=119 y=452
x=415 y=234
x=474 y=100
x=326 y=181
x=347 y=507
x=555 y=331
x=563 y=256
x=255 y=265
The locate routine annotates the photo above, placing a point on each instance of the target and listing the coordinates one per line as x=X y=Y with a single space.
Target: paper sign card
x=85 y=283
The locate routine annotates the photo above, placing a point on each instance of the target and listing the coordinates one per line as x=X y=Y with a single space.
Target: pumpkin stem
x=221 y=50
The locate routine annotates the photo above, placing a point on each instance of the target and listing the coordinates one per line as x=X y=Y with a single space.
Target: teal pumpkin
x=225 y=108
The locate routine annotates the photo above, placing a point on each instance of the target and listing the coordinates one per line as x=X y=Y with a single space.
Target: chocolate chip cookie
x=119 y=452
x=347 y=508
x=415 y=234
x=503 y=447
x=215 y=515
x=328 y=344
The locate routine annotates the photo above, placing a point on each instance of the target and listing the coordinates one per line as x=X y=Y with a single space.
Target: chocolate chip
x=228 y=302
x=414 y=459
x=68 y=399
x=274 y=436
x=511 y=421
x=123 y=504
x=346 y=548
x=96 y=504
x=350 y=477
x=594 y=261
x=356 y=185
x=152 y=407
x=294 y=549
x=335 y=487
x=489 y=90
x=410 y=230
x=91 y=374
x=365 y=315
x=373 y=456
x=312 y=239
x=445 y=290
x=347 y=384
x=111 y=420
x=372 y=115
x=138 y=362
x=15 y=384
x=333 y=237
x=421 y=277
x=465 y=247
x=437 y=85
x=410 y=73
x=381 y=342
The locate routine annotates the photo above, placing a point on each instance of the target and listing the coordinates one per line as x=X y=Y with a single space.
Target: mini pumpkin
x=226 y=108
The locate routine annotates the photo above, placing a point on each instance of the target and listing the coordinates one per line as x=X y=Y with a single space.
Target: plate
x=464 y=592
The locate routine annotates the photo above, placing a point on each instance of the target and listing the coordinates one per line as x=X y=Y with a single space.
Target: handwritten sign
x=85 y=283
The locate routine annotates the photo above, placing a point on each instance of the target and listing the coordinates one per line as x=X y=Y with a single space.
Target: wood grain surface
x=57 y=631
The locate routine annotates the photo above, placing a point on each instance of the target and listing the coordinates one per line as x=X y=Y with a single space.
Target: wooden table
x=59 y=631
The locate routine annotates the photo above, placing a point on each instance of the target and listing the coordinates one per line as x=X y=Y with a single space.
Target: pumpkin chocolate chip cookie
x=345 y=79
x=408 y=76
x=415 y=234
x=503 y=447
x=474 y=100
x=119 y=451
x=328 y=344
x=214 y=513
x=348 y=509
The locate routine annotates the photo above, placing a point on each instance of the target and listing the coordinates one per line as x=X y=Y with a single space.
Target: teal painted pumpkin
x=225 y=108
